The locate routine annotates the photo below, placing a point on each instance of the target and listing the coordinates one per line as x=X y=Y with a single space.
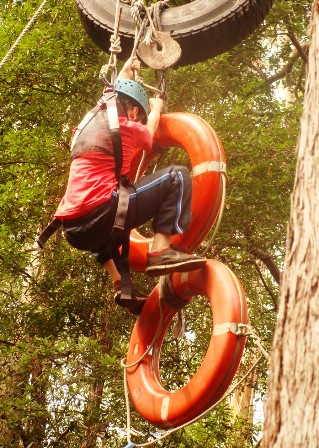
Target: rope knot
x=115 y=44
x=104 y=72
x=136 y=7
x=167 y=293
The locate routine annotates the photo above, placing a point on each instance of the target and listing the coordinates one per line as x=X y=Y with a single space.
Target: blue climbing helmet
x=133 y=90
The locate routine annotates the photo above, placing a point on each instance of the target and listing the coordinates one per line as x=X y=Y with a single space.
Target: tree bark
x=93 y=422
x=36 y=425
x=292 y=412
x=242 y=399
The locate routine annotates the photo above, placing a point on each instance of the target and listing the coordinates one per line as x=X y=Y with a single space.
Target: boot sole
x=191 y=265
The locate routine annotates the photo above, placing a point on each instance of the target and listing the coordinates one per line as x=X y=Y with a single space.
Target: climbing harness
x=208 y=161
x=119 y=235
x=169 y=409
x=108 y=100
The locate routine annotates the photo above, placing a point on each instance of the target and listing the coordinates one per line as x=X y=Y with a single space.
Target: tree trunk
x=242 y=400
x=93 y=422
x=12 y=384
x=292 y=412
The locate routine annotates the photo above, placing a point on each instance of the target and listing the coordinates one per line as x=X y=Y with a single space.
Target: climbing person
x=90 y=204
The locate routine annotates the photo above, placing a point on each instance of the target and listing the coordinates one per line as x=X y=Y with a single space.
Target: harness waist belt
x=50 y=229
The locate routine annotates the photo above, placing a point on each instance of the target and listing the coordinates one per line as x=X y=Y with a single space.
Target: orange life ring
x=165 y=409
x=207 y=156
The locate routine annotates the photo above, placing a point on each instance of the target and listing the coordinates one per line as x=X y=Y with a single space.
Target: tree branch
x=55 y=89
x=288 y=68
x=273 y=298
x=268 y=261
x=13 y=265
x=299 y=52
x=10 y=344
x=300 y=48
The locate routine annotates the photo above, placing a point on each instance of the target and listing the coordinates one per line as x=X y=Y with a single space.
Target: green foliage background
x=61 y=336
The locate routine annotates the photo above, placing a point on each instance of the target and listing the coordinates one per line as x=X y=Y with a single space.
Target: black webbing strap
x=121 y=259
x=49 y=231
x=109 y=97
x=123 y=193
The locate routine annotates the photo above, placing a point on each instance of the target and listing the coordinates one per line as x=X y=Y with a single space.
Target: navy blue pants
x=163 y=197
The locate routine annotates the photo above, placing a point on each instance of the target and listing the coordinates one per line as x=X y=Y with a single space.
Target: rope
x=220 y=214
x=136 y=6
x=138 y=172
x=152 y=18
x=126 y=366
x=199 y=417
x=114 y=49
x=195 y=419
x=257 y=341
x=24 y=32
x=149 y=35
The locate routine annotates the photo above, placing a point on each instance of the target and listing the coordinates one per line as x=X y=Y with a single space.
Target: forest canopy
x=61 y=336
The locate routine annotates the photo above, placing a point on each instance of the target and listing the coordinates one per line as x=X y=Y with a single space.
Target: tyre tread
x=222 y=34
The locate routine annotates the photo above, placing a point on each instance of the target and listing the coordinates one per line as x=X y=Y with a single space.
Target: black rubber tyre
x=203 y=28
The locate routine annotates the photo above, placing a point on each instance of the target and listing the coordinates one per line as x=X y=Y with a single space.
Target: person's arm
x=130 y=66
x=156 y=106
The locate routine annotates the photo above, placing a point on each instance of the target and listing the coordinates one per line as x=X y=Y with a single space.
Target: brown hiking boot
x=170 y=260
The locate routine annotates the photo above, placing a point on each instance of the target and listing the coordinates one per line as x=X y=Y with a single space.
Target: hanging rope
x=136 y=7
x=151 y=24
x=257 y=341
x=146 y=30
x=24 y=32
x=114 y=49
x=194 y=420
x=220 y=214
x=243 y=330
x=126 y=366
